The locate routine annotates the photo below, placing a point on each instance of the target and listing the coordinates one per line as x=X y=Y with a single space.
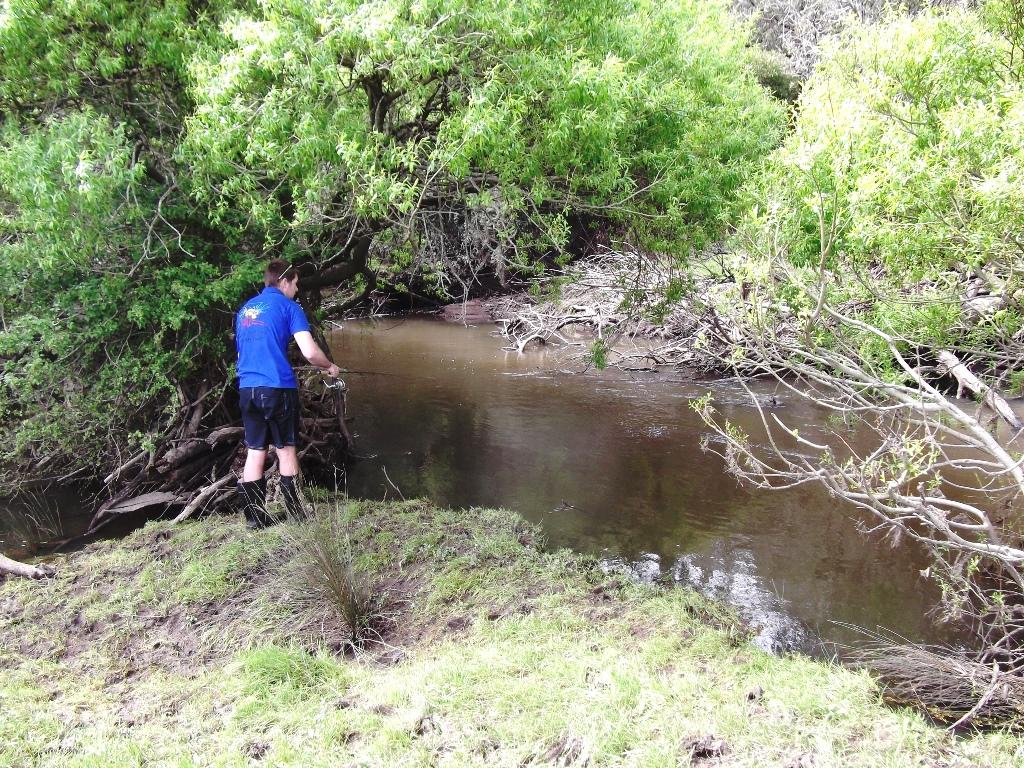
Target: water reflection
x=30 y=523
x=609 y=464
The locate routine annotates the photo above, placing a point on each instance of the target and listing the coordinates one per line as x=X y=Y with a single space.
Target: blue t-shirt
x=263 y=327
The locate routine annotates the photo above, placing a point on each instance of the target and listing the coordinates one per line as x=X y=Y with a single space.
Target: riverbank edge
x=205 y=644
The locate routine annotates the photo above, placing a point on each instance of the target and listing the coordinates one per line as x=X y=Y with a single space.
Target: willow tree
x=112 y=276
x=154 y=155
x=445 y=138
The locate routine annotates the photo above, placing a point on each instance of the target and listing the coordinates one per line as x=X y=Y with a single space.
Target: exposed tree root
x=194 y=467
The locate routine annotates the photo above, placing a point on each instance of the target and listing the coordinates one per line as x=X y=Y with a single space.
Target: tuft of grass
x=32 y=519
x=459 y=580
x=945 y=685
x=329 y=569
x=267 y=666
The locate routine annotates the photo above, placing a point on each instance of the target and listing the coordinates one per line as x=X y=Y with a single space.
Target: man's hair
x=277 y=269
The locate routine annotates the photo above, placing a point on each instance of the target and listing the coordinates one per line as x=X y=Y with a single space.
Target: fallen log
x=152 y=499
x=325 y=421
x=202 y=465
x=181 y=454
x=203 y=496
x=125 y=503
x=224 y=434
x=13 y=567
x=967 y=380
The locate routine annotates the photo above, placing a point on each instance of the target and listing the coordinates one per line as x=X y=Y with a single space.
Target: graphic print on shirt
x=251 y=314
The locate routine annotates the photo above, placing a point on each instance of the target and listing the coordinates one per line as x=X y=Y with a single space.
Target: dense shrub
x=901 y=186
x=111 y=274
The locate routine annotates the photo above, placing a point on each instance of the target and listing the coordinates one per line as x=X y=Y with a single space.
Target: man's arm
x=312 y=352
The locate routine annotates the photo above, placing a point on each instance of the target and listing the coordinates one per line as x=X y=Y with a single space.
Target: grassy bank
x=204 y=644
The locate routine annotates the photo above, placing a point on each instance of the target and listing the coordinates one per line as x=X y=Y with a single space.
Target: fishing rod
x=346 y=370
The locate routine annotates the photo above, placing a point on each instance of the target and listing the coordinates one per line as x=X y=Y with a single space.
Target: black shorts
x=269 y=411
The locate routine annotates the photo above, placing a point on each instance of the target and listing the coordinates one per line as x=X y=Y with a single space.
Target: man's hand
x=334 y=371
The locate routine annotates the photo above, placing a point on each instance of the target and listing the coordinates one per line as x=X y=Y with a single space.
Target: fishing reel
x=334 y=384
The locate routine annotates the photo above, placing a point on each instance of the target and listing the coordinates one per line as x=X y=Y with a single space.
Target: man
x=268 y=390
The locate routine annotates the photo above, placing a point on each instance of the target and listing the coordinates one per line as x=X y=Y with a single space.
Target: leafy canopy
x=154 y=152
x=327 y=116
x=109 y=271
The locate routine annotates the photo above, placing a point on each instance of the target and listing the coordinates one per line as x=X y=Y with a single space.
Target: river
x=609 y=463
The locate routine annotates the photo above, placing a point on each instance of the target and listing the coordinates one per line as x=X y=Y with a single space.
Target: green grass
x=500 y=654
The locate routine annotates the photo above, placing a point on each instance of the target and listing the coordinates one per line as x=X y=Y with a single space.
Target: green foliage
x=54 y=51
x=511 y=116
x=903 y=172
x=1007 y=18
x=110 y=272
x=599 y=354
x=269 y=665
x=100 y=315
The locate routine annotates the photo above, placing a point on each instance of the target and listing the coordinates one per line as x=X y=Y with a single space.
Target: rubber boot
x=292 y=498
x=254 y=503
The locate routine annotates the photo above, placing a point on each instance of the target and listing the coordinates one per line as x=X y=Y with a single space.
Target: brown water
x=609 y=464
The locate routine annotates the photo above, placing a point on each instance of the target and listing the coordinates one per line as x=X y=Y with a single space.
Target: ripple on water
x=732 y=580
x=732 y=577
